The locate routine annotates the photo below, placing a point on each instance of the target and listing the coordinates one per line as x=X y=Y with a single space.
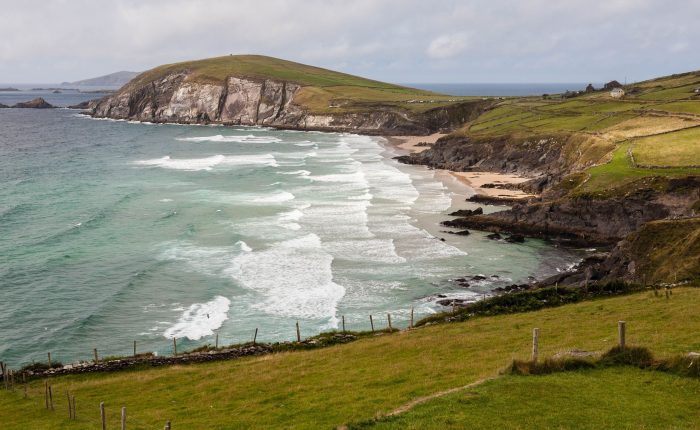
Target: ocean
x=113 y=232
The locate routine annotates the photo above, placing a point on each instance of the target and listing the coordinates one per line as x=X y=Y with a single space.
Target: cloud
x=394 y=40
x=447 y=45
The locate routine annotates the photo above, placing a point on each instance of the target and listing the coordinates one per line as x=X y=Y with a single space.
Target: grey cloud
x=394 y=40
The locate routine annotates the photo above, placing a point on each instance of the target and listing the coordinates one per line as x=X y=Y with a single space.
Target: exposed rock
x=248 y=101
x=515 y=238
x=494 y=236
x=460 y=233
x=467 y=212
x=37 y=103
x=9 y=89
x=3 y=106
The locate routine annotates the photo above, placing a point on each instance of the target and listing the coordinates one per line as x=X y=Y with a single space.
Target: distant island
x=116 y=79
x=9 y=89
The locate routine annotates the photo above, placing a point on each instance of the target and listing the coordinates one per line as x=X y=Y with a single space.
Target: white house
x=617 y=93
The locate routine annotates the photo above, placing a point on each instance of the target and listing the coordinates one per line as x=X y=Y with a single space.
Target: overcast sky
x=45 y=41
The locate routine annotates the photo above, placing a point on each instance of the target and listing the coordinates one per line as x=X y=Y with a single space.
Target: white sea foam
x=293 y=278
x=278 y=197
x=244 y=246
x=296 y=172
x=208 y=163
x=165 y=200
x=289 y=219
x=200 y=319
x=232 y=139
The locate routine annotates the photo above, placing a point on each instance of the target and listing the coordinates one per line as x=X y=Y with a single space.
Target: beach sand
x=410 y=143
x=477 y=180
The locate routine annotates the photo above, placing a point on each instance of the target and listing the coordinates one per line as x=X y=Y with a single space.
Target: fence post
x=216 y=345
x=298 y=333
x=343 y=324
x=134 y=349
x=411 y=326
x=103 y=419
x=371 y=323
x=621 y=333
x=535 y=344
x=123 y=417
x=388 y=317
x=255 y=336
x=167 y=425
x=174 y=347
x=49 y=354
x=73 y=401
x=94 y=350
x=70 y=409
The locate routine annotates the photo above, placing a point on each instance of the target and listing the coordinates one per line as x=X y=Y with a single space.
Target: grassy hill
x=357 y=382
x=654 y=130
x=323 y=90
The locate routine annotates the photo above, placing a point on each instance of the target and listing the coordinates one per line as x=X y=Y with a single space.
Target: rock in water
x=3 y=106
x=37 y=103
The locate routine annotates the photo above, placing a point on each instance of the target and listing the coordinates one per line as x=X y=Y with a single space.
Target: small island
x=9 y=89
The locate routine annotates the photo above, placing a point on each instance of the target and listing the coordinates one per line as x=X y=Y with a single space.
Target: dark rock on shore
x=515 y=238
x=494 y=236
x=467 y=212
x=460 y=233
x=495 y=200
x=37 y=103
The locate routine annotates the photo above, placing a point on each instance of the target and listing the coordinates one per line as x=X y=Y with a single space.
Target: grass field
x=616 y=398
x=355 y=382
x=676 y=149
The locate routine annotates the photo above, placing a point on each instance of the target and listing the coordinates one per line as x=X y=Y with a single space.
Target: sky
x=402 y=41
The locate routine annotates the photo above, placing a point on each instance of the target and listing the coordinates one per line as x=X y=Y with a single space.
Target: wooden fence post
x=343 y=324
x=216 y=345
x=134 y=349
x=73 y=402
x=49 y=354
x=94 y=350
x=103 y=418
x=12 y=380
x=174 y=347
x=411 y=326
x=621 y=333
x=298 y=333
x=123 y=417
x=70 y=409
x=167 y=425
x=535 y=344
x=255 y=336
x=371 y=323
x=388 y=317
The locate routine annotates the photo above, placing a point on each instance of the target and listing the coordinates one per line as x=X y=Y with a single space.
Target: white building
x=617 y=93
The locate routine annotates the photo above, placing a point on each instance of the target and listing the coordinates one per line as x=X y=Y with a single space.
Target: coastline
x=490 y=185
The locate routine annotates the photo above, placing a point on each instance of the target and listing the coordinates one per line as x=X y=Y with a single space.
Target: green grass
x=677 y=149
x=614 y=398
x=354 y=382
x=692 y=107
x=324 y=91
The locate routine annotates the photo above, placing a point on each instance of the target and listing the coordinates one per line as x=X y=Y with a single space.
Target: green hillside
x=323 y=90
x=356 y=382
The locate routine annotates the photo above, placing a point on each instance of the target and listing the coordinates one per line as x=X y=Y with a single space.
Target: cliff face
x=244 y=101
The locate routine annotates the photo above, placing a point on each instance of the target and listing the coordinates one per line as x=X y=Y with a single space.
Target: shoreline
x=491 y=185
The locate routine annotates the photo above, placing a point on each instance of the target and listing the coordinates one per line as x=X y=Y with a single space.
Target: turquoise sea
x=113 y=231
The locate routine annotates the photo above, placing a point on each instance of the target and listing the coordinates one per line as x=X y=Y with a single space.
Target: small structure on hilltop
x=590 y=88
x=697 y=90
x=611 y=85
x=617 y=93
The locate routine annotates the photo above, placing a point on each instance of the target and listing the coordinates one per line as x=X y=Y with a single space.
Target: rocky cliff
x=270 y=102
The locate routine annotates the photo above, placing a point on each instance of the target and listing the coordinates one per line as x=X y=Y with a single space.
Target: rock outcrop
x=3 y=106
x=247 y=101
x=37 y=103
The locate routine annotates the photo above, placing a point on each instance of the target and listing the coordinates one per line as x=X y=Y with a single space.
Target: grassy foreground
x=358 y=381
x=618 y=398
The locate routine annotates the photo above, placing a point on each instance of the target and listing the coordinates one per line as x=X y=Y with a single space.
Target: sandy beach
x=474 y=180
x=477 y=180
x=410 y=143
